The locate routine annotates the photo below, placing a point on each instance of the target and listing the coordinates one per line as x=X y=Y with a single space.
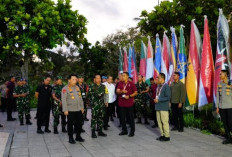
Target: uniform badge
x=64 y=91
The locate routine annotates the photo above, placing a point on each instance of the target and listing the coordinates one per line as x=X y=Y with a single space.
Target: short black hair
x=162 y=75
x=110 y=76
x=177 y=73
x=126 y=73
x=11 y=77
x=97 y=75
x=47 y=76
x=226 y=72
x=152 y=79
x=71 y=75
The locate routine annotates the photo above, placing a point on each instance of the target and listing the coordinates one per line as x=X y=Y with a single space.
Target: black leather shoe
x=131 y=134
x=28 y=122
x=94 y=134
x=123 y=133
x=154 y=126
x=105 y=128
x=227 y=141
x=21 y=123
x=71 y=140
x=86 y=119
x=165 y=139
x=64 y=130
x=147 y=123
x=181 y=130
x=174 y=129
x=160 y=138
x=55 y=131
x=100 y=133
x=1 y=125
x=82 y=130
x=47 y=131
x=11 y=119
x=80 y=139
x=40 y=132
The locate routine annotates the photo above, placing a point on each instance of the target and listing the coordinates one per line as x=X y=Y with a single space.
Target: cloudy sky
x=106 y=16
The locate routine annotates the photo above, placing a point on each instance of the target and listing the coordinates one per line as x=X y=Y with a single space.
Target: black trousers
x=127 y=115
x=226 y=117
x=74 y=120
x=153 y=113
x=43 y=116
x=177 y=116
x=4 y=102
x=108 y=113
x=9 y=107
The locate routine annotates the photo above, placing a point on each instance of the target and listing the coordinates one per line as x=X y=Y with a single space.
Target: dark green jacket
x=178 y=92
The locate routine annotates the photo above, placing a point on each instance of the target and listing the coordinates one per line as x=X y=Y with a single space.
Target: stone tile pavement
x=23 y=141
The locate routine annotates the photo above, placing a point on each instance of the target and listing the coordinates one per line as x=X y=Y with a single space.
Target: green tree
x=180 y=12
x=30 y=27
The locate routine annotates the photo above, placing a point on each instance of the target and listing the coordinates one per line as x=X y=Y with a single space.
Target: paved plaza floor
x=23 y=141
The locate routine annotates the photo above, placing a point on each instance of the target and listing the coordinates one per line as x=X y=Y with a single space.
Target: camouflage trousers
x=141 y=108
x=57 y=113
x=23 y=108
x=97 y=116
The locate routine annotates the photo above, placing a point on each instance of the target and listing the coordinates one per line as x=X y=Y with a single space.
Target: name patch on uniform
x=64 y=91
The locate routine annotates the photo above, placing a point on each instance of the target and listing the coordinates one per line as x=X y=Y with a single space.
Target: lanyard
x=159 y=91
x=125 y=86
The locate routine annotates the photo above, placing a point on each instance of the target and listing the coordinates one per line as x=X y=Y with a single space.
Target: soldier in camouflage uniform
x=141 y=100
x=57 y=106
x=98 y=97
x=84 y=91
x=21 y=93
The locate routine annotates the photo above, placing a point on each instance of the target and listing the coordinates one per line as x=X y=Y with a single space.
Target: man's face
x=97 y=79
x=47 y=81
x=125 y=77
x=160 y=79
x=73 y=80
x=120 y=77
x=110 y=79
x=152 y=81
x=81 y=80
x=176 y=77
x=140 y=78
x=222 y=75
x=12 y=79
x=59 y=82
x=103 y=80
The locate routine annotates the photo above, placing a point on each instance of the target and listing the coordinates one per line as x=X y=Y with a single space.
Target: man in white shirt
x=112 y=97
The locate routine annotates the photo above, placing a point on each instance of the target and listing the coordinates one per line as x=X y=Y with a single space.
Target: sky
x=107 y=16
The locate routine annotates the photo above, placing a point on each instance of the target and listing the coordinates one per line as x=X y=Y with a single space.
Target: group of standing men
x=131 y=100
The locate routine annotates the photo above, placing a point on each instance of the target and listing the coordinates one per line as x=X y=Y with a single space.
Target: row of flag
x=197 y=71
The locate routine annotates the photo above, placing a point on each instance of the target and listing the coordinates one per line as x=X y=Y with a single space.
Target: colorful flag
x=125 y=60
x=157 y=61
x=149 y=66
x=142 y=64
x=165 y=57
x=174 y=52
x=133 y=66
x=193 y=73
x=206 y=69
x=129 y=61
x=223 y=53
x=182 y=58
x=120 y=65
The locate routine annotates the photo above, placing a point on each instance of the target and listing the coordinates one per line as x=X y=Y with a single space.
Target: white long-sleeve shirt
x=111 y=90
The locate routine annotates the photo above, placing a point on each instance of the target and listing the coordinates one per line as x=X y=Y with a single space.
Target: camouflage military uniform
x=141 y=100
x=57 y=108
x=22 y=102
x=84 y=89
x=98 y=96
